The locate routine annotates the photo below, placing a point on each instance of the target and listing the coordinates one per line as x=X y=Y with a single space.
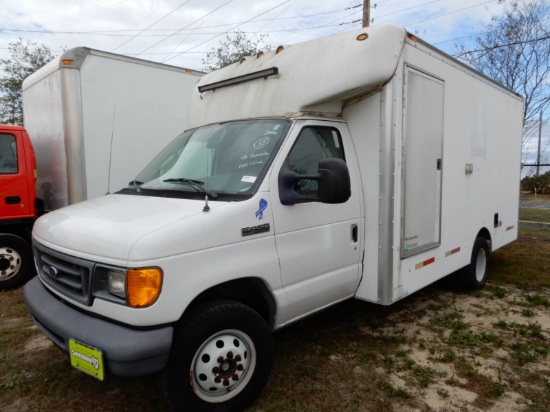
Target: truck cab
x=17 y=205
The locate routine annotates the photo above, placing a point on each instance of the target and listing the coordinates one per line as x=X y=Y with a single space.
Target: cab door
x=15 y=199
x=319 y=245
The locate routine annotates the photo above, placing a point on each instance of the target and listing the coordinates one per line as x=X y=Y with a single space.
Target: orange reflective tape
x=452 y=252
x=425 y=263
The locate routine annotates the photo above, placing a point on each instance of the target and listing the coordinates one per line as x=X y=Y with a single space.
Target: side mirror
x=333 y=183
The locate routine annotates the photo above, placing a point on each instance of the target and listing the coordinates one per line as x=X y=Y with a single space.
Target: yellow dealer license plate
x=86 y=359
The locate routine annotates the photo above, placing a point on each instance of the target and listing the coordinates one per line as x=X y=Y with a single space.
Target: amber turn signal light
x=143 y=286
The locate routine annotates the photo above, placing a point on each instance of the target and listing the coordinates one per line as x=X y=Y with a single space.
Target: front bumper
x=127 y=352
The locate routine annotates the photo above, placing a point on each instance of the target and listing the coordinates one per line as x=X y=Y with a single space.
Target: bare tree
x=514 y=49
x=235 y=46
x=26 y=58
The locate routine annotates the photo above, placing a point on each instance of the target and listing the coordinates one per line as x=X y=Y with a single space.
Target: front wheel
x=16 y=262
x=220 y=360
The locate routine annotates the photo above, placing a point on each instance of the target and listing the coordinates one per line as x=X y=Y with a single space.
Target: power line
x=451 y=12
x=457 y=38
x=212 y=33
x=149 y=15
x=183 y=31
x=478 y=34
x=500 y=46
x=410 y=8
x=269 y=22
x=430 y=18
x=308 y=15
x=162 y=18
x=212 y=38
x=114 y=32
x=208 y=14
x=326 y=25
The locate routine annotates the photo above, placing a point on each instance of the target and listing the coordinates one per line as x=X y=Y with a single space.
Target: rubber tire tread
x=191 y=332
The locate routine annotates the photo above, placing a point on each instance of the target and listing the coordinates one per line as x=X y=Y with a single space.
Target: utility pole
x=366 y=13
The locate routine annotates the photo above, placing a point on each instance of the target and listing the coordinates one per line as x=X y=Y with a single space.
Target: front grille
x=66 y=274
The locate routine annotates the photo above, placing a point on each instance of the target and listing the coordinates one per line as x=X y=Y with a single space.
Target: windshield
x=226 y=160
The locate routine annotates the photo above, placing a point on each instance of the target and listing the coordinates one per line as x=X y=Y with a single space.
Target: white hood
x=120 y=228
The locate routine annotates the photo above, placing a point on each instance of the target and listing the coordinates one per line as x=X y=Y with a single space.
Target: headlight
x=117 y=283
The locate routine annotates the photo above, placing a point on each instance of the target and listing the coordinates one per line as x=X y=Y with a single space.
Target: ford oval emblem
x=53 y=271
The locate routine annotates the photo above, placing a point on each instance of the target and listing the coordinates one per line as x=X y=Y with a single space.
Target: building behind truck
x=94 y=119
x=363 y=165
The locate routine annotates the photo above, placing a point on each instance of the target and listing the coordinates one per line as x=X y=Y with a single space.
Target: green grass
x=523 y=264
x=532 y=214
x=535 y=210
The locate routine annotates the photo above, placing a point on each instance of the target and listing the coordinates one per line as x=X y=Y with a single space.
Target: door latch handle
x=12 y=200
x=354 y=233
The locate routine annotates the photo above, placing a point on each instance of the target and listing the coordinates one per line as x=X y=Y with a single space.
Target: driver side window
x=312 y=145
x=8 y=154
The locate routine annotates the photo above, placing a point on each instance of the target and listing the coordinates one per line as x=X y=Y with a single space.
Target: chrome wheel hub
x=223 y=366
x=10 y=263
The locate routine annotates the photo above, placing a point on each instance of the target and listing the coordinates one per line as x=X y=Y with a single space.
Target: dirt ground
x=437 y=350
x=497 y=361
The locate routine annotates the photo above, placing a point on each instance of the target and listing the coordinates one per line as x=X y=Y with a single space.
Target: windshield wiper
x=135 y=184
x=198 y=185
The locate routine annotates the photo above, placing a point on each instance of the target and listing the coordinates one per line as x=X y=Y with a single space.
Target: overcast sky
x=181 y=32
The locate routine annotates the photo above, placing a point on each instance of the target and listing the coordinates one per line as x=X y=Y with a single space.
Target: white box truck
x=364 y=165
x=95 y=118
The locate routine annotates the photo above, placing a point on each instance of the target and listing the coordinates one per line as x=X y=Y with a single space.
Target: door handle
x=354 y=233
x=13 y=200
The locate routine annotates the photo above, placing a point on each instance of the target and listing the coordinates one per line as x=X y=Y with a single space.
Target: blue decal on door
x=263 y=206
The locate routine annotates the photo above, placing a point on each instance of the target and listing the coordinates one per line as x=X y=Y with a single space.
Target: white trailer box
x=363 y=165
x=95 y=118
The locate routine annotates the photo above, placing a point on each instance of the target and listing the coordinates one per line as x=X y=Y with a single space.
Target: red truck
x=18 y=207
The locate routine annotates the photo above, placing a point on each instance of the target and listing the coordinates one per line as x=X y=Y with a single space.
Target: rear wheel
x=474 y=276
x=220 y=359
x=16 y=263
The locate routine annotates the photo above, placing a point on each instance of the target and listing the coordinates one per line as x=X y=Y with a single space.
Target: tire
x=220 y=359
x=16 y=261
x=474 y=276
